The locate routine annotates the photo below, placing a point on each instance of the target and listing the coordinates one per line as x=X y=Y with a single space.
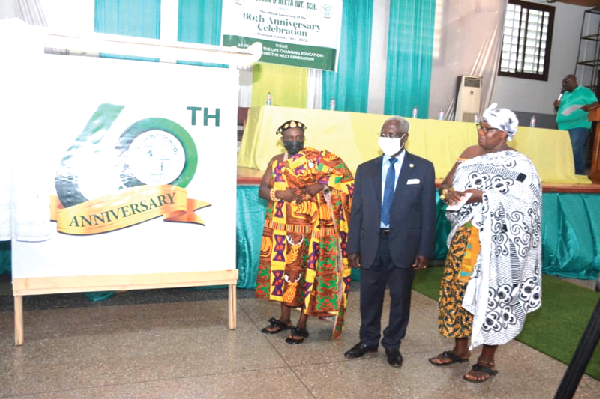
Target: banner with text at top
x=293 y=32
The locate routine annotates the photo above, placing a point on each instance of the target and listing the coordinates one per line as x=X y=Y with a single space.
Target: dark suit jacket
x=412 y=217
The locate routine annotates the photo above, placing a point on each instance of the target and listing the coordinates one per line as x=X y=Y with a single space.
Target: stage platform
x=251 y=177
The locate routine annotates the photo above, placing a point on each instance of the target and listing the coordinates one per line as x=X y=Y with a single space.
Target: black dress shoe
x=394 y=357
x=359 y=350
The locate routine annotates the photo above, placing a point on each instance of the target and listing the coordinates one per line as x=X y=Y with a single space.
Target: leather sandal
x=447 y=355
x=297 y=332
x=276 y=323
x=482 y=369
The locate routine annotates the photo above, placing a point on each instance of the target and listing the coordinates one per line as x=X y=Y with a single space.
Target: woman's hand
x=313 y=189
x=289 y=195
x=452 y=197
x=476 y=195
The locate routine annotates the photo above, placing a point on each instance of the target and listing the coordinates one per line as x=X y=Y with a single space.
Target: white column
x=379 y=45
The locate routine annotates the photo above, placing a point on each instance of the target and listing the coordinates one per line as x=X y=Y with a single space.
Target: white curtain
x=314 y=86
x=24 y=203
x=31 y=11
x=468 y=40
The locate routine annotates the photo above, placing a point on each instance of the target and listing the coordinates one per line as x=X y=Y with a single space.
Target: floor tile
x=264 y=384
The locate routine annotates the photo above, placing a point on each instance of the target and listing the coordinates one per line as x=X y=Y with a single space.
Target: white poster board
x=124 y=141
x=121 y=175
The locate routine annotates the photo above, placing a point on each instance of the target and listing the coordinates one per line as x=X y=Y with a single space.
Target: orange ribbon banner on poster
x=133 y=206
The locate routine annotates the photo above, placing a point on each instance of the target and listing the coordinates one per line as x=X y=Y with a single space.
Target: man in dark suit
x=392 y=233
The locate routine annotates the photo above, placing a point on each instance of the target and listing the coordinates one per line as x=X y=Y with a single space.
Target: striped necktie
x=388 y=193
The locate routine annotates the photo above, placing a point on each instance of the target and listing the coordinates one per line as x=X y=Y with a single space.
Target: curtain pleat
x=200 y=22
x=410 y=52
x=349 y=85
x=137 y=18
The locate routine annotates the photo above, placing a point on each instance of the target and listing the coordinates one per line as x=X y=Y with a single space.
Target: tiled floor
x=184 y=349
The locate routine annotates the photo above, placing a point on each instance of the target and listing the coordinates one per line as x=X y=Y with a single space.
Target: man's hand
x=556 y=103
x=313 y=189
x=420 y=263
x=289 y=195
x=354 y=260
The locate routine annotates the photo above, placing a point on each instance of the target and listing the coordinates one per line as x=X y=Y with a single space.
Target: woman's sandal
x=280 y=326
x=447 y=355
x=482 y=369
x=297 y=332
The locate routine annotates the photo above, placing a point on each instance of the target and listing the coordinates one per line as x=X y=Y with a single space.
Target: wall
x=534 y=96
x=527 y=96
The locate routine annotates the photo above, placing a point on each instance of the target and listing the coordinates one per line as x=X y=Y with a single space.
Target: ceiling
x=587 y=3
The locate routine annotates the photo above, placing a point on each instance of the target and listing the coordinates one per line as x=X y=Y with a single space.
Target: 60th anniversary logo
x=149 y=169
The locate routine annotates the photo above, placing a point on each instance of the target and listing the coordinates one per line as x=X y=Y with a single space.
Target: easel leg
x=232 y=306
x=18 y=320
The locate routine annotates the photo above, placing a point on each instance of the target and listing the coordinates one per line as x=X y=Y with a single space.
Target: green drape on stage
x=250 y=220
x=5 y=267
x=410 y=52
x=571 y=235
x=137 y=18
x=349 y=85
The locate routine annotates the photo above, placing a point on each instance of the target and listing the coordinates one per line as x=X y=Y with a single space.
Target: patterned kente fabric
x=303 y=253
x=454 y=321
x=506 y=281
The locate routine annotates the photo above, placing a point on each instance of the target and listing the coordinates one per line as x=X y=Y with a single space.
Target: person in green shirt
x=572 y=114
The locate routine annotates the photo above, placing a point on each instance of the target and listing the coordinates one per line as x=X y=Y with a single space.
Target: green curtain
x=138 y=18
x=287 y=85
x=200 y=22
x=5 y=265
x=349 y=85
x=410 y=49
x=250 y=221
x=571 y=235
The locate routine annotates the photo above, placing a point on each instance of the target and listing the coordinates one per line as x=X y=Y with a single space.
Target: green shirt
x=578 y=118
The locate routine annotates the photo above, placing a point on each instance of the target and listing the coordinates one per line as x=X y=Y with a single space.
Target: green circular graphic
x=124 y=146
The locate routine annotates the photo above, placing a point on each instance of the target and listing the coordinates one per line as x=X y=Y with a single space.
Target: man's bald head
x=569 y=83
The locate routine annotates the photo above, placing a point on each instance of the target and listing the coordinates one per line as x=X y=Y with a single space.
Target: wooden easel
x=54 y=285
x=594 y=116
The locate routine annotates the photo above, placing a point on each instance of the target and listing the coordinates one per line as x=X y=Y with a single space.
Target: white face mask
x=391 y=145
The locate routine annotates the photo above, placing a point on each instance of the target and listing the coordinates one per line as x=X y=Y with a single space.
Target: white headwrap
x=503 y=119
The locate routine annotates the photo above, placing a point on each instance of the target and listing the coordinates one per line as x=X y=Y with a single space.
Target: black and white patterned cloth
x=506 y=281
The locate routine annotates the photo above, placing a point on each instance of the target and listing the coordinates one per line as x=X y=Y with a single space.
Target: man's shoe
x=359 y=350
x=394 y=357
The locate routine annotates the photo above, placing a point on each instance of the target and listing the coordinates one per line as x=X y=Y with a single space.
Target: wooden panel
x=55 y=285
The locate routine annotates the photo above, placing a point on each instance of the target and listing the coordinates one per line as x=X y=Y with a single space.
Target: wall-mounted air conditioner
x=468 y=98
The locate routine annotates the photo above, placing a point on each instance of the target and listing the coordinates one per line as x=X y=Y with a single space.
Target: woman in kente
x=303 y=261
x=492 y=275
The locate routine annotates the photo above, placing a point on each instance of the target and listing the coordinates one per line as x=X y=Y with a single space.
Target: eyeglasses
x=485 y=129
x=392 y=135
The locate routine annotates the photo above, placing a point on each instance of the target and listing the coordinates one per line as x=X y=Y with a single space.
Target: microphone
x=561 y=93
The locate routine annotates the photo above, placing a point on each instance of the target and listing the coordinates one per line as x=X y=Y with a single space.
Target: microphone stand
x=582 y=355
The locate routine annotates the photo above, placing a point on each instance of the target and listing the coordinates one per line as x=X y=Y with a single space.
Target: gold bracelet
x=273 y=198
